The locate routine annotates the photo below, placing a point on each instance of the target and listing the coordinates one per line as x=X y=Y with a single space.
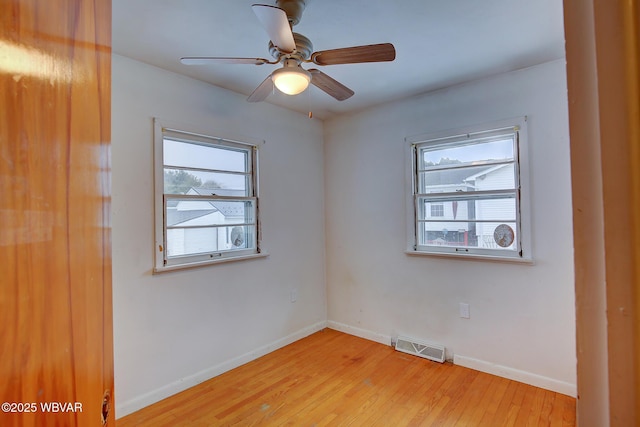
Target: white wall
x=522 y=321
x=174 y=330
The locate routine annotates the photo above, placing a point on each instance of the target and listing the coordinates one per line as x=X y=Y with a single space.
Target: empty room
x=333 y=210
x=319 y=212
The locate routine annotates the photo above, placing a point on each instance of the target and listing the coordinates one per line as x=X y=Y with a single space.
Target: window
x=206 y=199
x=466 y=193
x=437 y=209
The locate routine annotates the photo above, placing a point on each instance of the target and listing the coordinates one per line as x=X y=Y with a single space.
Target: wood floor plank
x=437 y=396
x=536 y=408
x=396 y=390
x=354 y=390
x=486 y=410
x=525 y=407
x=569 y=413
x=502 y=410
x=413 y=399
x=334 y=379
x=467 y=395
x=480 y=393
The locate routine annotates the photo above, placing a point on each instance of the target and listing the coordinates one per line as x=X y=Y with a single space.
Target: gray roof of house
x=175 y=217
x=226 y=208
x=454 y=176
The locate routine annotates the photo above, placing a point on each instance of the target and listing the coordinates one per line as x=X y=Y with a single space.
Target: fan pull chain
x=309 y=102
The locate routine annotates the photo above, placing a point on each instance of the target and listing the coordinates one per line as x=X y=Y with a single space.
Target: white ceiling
x=438 y=42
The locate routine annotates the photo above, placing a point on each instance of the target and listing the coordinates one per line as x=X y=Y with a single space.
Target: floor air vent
x=428 y=351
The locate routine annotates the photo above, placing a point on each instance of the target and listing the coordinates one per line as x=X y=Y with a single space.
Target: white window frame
x=523 y=252
x=163 y=263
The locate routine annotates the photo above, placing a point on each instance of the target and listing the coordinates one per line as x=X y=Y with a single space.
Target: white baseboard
x=468 y=362
x=139 y=402
x=517 y=375
x=358 y=332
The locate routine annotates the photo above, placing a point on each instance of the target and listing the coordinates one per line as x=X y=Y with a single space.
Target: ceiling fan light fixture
x=291 y=80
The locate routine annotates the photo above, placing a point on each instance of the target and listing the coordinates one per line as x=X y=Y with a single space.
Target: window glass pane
x=473 y=178
x=462 y=210
x=496 y=235
x=178 y=181
x=195 y=241
x=198 y=213
x=467 y=222
x=193 y=155
x=495 y=149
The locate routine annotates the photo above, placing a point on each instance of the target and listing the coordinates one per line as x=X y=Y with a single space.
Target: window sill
x=475 y=257
x=206 y=263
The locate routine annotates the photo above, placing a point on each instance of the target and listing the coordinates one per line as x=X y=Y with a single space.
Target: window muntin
x=207 y=204
x=473 y=180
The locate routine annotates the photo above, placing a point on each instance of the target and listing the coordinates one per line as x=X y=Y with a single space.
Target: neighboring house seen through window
x=466 y=193
x=206 y=199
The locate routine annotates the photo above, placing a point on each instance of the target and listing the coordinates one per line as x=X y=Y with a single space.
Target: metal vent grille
x=429 y=351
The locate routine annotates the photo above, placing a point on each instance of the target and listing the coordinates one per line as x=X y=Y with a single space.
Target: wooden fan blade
x=207 y=60
x=330 y=85
x=275 y=22
x=356 y=54
x=261 y=92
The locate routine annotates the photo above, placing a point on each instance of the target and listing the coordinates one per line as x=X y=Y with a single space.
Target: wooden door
x=603 y=76
x=56 y=356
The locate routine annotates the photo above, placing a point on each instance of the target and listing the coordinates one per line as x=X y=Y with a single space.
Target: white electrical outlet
x=464 y=310
x=294 y=295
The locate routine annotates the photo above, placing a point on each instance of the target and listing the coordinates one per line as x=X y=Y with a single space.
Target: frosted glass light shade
x=291 y=80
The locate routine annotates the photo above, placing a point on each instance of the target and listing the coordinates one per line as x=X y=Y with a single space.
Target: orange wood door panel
x=56 y=356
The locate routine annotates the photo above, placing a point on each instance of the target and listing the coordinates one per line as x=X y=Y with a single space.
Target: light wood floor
x=331 y=378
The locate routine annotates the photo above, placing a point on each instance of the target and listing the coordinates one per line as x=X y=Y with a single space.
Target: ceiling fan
x=292 y=49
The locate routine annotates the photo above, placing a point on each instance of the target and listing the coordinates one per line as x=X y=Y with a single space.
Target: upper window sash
x=246 y=150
